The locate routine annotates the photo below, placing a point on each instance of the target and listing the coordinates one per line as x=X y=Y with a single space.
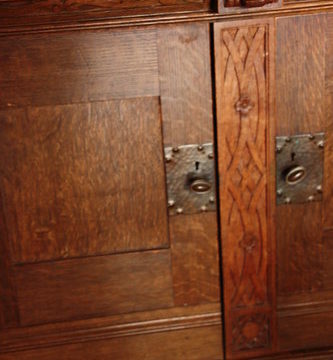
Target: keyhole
x=293 y=155
x=197 y=164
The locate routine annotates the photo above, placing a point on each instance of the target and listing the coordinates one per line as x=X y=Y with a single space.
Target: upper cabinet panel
x=55 y=10
x=78 y=67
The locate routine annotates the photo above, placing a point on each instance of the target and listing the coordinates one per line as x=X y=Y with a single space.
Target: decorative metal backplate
x=190 y=179
x=299 y=168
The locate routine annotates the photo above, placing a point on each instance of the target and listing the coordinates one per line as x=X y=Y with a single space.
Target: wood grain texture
x=306 y=331
x=92 y=287
x=300 y=248
x=186 y=104
x=305 y=303
x=185 y=82
x=328 y=259
x=9 y=8
x=8 y=306
x=195 y=262
x=76 y=179
x=328 y=173
x=300 y=69
x=300 y=103
x=319 y=354
x=194 y=344
x=110 y=327
x=65 y=68
x=245 y=121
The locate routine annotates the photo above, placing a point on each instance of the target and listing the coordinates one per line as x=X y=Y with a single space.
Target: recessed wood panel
x=77 y=67
x=328 y=259
x=8 y=306
x=91 y=287
x=300 y=70
x=81 y=180
x=301 y=109
x=195 y=260
x=306 y=331
x=185 y=81
x=328 y=189
x=186 y=105
x=300 y=245
x=194 y=344
x=244 y=64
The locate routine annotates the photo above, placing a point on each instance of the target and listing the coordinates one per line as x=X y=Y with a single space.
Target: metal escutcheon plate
x=190 y=179
x=299 y=168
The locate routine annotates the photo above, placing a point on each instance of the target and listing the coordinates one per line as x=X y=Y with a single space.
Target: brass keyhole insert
x=295 y=175
x=200 y=186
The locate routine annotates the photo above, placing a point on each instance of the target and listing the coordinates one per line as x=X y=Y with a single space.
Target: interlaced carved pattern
x=245 y=176
x=242 y=86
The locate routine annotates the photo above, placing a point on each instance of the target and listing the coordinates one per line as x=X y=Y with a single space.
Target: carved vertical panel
x=245 y=152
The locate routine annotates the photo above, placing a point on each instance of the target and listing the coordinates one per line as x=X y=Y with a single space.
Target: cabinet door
x=304 y=231
x=257 y=108
x=88 y=251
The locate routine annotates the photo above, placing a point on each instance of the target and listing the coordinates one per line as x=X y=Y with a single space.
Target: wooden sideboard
x=165 y=179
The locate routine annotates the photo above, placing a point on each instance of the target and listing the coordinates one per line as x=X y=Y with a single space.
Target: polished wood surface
x=200 y=343
x=185 y=83
x=186 y=103
x=37 y=7
x=328 y=104
x=198 y=279
x=305 y=277
x=84 y=199
x=8 y=306
x=109 y=327
x=244 y=64
x=47 y=155
x=65 y=68
x=168 y=13
x=97 y=286
x=91 y=265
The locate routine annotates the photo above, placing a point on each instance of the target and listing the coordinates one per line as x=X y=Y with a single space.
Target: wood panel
x=185 y=81
x=300 y=248
x=8 y=306
x=110 y=327
x=300 y=69
x=319 y=354
x=195 y=262
x=78 y=67
x=186 y=103
x=77 y=181
x=300 y=103
x=328 y=259
x=244 y=56
x=195 y=344
x=9 y=8
x=81 y=288
x=328 y=189
x=306 y=331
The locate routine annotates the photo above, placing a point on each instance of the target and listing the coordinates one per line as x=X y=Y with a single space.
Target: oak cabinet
x=97 y=259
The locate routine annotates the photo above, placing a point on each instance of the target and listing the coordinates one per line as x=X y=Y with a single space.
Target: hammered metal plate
x=184 y=165
x=303 y=151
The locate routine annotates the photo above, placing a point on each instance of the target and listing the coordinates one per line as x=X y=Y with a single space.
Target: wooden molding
x=324 y=354
x=103 y=19
x=108 y=328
